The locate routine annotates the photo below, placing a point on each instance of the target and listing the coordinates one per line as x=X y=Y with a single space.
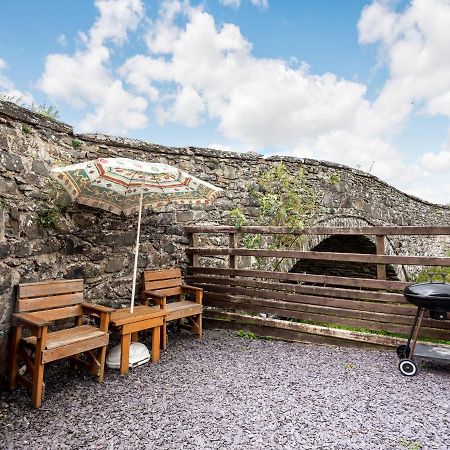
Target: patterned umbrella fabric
x=123 y=185
x=116 y=184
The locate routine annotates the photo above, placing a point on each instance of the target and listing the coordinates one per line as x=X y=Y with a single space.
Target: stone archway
x=343 y=244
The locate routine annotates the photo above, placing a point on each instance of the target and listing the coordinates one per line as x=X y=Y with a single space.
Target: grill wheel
x=407 y=367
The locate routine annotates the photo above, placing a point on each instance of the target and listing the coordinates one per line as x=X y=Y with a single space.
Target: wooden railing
x=301 y=305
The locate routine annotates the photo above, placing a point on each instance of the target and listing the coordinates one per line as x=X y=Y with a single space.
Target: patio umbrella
x=126 y=186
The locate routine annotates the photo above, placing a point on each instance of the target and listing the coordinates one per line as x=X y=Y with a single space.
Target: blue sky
x=362 y=83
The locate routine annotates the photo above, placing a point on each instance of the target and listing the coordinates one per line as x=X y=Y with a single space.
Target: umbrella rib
x=162 y=189
x=143 y=182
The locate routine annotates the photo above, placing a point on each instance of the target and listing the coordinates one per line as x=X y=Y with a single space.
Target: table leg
x=124 y=353
x=156 y=333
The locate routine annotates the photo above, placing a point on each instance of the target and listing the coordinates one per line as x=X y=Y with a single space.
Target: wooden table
x=128 y=325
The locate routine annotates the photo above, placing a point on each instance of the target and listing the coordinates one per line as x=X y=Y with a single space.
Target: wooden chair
x=162 y=286
x=40 y=304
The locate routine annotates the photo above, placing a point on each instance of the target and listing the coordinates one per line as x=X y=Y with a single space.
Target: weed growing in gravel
x=246 y=334
x=410 y=445
x=26 y=130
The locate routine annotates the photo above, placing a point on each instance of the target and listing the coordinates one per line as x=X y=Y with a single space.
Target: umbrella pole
x=133 y=289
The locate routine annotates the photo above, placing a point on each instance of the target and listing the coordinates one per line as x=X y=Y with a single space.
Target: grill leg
x=415 y=330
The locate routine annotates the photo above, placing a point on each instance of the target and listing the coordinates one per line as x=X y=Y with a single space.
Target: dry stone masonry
x=98 y=246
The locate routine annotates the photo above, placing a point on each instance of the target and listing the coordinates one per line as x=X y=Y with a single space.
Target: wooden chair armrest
x=152 y=294
x=91 y=307
x=27 y=319
x=37 y=325
x=159 y=299
x=191 y=288
x=198 y=292
x=103 y=311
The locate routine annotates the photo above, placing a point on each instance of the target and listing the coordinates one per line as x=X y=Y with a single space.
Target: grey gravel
x=226 y=392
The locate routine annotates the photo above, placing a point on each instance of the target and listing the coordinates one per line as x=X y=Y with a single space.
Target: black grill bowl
x=432 y=296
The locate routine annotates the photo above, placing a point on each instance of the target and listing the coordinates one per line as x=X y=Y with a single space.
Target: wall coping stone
x=15 y=112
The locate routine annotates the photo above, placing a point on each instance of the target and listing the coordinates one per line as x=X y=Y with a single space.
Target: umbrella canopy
x=122 y=185
x=116 y=185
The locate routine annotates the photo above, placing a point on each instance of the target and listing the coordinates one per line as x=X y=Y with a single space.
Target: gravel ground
x=226 y=392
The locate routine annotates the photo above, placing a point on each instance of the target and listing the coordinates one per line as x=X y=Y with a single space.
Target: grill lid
x=429 y=295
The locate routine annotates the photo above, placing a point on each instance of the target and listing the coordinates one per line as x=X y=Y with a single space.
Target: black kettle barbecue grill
x=434 y=297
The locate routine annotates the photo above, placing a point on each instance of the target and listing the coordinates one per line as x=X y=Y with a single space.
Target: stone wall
x=98 y=246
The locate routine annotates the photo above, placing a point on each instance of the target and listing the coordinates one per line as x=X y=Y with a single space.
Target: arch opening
x=343 y=244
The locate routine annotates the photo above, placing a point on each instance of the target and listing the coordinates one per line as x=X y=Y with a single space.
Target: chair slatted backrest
x=167 y=281
x=59 y=298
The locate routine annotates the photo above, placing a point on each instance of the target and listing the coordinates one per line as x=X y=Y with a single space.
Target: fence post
x=232 y=244
x=193 y=242
x=381 y=250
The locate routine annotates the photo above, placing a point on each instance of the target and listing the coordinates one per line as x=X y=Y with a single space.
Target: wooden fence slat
x=405 y=309
x=324 y=318
x=368 y=231
x=375 y=296
x=308 y=278
x=325 y=256
x=358 y=336
x=332 y=307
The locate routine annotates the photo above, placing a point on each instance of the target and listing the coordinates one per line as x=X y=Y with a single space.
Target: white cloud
x=236 y=3
x=271 y=104
x=62 y=40
x=201 y=71
x=85 y=80
x=195 y=71
x=438 y=161
x=223 y=147
x=9 y=91
x=415 y=45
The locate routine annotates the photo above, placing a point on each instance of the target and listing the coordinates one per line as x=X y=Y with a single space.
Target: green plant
x=366 y=330
x=246 y=348
x=246 y=334
x=433 y=272
x=26 y=130
x=238 y=218
x=55 y=207
x=334 y=179
x=284 y=199
x=3 y=203
x=76 y=143
x=12 y=99
x=48 y=217
x=411 y=445
x=48 y=111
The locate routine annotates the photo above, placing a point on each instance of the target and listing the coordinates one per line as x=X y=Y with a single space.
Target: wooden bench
x=166 y=289
x=38 y=306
